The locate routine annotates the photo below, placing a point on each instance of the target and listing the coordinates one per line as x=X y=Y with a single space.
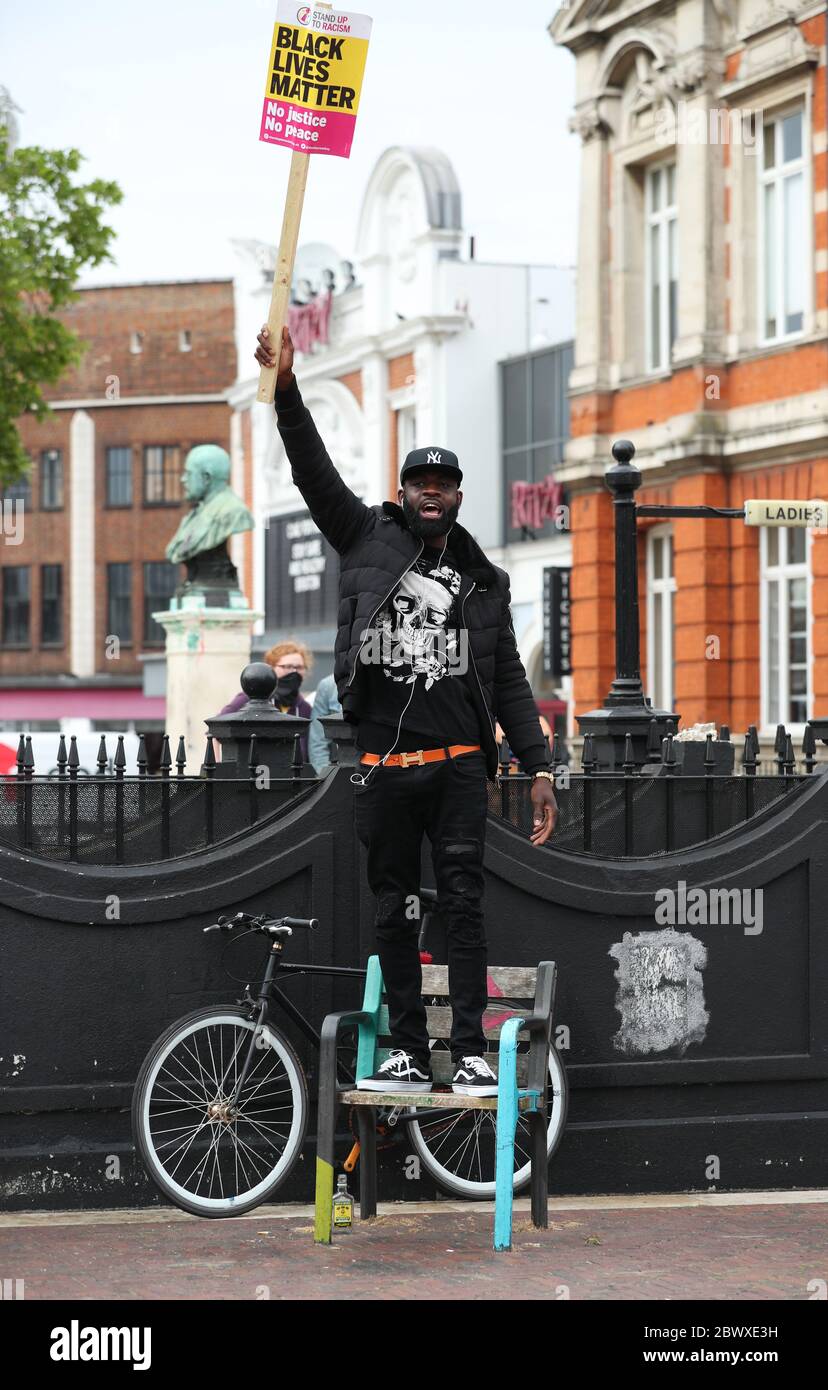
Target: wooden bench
x=522 y=1084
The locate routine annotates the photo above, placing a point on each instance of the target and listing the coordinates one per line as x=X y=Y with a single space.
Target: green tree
x=51 y=229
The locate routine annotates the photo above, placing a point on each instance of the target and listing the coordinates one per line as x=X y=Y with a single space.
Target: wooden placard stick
x=283 y=277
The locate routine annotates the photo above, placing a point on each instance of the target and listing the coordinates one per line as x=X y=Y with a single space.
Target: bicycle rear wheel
x=207 y=1158
x=457 y=1147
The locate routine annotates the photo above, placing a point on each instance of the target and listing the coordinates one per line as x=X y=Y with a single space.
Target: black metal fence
x=669 y=803
x=137 y=819
x=662 y=805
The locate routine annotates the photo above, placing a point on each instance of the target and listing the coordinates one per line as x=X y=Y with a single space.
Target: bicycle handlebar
x=262 y=923
x=270 y=925
x=221 y=925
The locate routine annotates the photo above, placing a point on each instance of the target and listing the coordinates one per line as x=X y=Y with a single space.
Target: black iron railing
x=683 y=795
x=662 y=806
x=119 y=818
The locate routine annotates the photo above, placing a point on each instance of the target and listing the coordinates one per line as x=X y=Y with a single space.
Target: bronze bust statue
x=217 y=513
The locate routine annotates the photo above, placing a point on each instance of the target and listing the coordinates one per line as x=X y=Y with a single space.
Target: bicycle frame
x=269 y=992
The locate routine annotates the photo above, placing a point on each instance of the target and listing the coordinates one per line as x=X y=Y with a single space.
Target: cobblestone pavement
x=740 y=1246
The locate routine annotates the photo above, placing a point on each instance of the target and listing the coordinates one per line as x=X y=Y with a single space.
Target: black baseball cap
x=442 y=459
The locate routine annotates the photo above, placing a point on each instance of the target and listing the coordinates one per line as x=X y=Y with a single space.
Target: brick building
x=702 y=335
x=103 y=500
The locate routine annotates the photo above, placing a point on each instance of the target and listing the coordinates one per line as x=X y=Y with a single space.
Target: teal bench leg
x=507 y=1113
x=367 y=1019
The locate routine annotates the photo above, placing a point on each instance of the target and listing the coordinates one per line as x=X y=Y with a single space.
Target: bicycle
x=220 y=1107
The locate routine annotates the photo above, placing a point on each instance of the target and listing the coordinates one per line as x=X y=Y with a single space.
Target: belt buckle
x=407 y=759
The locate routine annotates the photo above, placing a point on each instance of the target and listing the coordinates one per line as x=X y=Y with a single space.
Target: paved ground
x=709 y=1246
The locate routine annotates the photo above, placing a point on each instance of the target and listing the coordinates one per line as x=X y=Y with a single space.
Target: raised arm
x=340 y=515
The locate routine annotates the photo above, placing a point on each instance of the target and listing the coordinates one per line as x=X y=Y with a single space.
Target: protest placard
x=312 y=90
x=314 y=78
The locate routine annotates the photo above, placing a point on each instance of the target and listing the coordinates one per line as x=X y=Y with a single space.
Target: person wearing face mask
x=291 y=661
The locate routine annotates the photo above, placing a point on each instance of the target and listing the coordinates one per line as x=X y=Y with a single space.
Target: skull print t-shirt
x=418 y=664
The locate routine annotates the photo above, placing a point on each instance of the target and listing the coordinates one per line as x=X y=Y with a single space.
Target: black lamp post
x=626 y=710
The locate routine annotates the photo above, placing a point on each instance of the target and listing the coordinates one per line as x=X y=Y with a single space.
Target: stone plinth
x=206 y=650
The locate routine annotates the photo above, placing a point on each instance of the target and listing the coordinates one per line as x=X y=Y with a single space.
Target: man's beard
x=427 y=528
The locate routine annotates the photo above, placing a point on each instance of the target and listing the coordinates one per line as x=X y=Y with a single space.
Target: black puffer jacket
x=376 y=548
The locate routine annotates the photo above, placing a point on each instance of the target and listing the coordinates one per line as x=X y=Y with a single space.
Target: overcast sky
x=165 y=98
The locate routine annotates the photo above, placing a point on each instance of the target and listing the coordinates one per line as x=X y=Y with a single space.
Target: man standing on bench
x=425 y=660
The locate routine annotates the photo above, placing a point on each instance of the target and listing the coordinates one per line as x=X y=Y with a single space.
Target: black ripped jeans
x=448 y=802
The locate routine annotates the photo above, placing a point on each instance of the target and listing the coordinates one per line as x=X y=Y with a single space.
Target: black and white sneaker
x=474 y=1077
x=399 y=1072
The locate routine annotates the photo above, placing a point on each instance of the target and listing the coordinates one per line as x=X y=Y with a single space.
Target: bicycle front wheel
x=209 y=1155
x=458 y=1147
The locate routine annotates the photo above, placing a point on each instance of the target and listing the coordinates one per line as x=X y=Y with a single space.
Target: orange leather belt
x=421 y=755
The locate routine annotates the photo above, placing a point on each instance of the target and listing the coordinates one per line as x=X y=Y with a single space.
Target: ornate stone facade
x=736 y=404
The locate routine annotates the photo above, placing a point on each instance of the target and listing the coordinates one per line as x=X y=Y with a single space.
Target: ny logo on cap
x=434 y=456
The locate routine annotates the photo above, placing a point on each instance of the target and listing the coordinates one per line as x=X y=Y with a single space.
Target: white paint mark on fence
x=14 y=1065
x=660 y=991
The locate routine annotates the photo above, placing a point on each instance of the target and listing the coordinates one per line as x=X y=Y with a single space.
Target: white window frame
x=780 y=574
x=661 y=218
x=659 y=590
x=778 y=175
